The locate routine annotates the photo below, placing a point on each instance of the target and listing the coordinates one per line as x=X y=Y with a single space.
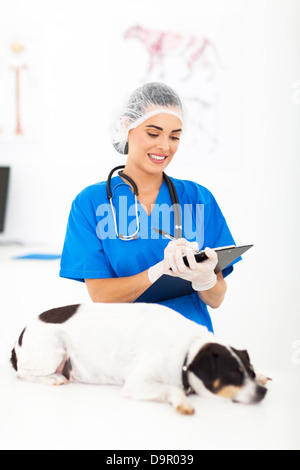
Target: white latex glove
x=201 y=275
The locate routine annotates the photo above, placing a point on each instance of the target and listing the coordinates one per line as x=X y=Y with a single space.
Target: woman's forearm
x=128 y=289
x=122 y=289
x=214 y=297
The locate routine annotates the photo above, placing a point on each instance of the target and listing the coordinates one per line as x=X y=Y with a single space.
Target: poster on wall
x=199 y=65
x=21 y=98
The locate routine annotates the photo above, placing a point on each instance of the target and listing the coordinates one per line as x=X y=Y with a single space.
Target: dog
x=152 y=351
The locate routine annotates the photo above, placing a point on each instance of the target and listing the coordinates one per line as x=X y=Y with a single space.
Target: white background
x=80 y=67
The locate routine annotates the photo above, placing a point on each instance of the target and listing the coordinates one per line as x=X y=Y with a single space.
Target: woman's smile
x=157 y=158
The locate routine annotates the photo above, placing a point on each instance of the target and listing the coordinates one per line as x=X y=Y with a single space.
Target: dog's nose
x=260 y=393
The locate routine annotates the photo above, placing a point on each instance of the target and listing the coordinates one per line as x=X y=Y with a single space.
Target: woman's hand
x=201 y=275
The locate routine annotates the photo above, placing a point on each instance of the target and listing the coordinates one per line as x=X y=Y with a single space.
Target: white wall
x=79 y=68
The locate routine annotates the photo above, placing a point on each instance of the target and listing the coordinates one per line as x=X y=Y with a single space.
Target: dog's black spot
x=14 y=360
x=20 y=342
x=67 y=369
x=216 y=367
x=59 y=315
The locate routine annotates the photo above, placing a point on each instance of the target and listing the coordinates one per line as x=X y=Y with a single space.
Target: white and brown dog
x=154 y=352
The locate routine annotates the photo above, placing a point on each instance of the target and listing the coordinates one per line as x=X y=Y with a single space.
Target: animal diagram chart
x=192 y=64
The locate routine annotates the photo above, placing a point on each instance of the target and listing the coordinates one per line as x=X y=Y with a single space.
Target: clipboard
x=169 y=287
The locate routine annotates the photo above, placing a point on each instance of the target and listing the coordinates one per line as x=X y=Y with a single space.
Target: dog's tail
x=14 y=359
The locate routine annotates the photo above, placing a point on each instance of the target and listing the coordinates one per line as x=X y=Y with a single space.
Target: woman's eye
x=174 y=138
x=152 y=135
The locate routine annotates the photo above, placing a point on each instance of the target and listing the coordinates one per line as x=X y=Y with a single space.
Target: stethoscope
x=174 y=200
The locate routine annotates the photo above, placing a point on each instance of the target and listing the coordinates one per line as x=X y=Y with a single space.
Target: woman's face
x=153 y=144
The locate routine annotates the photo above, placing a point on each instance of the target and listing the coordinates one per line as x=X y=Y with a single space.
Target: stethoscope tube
x=176 y=206
x=174 y=200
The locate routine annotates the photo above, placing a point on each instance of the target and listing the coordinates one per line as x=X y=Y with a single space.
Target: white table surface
x=77 y=416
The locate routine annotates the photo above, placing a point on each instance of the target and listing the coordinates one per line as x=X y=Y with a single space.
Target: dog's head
x=226 y=372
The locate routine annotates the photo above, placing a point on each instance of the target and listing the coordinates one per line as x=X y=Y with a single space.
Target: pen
x=164 y=234
x=167 y=235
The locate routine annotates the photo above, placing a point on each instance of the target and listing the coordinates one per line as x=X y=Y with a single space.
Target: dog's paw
x=56 y=379
x=53 y=379
x=261 y=379
x=185 y=409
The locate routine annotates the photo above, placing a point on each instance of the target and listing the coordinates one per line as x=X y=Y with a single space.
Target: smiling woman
x=152 y=146
x=148 y=130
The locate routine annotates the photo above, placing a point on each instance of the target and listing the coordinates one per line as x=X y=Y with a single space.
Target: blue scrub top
x=92 y=250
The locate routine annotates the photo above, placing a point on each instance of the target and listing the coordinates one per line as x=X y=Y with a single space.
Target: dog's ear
x=245 y=358
x=242 y=354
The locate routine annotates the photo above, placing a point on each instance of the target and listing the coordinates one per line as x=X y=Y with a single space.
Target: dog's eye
x=237 y=375
x=251 y=372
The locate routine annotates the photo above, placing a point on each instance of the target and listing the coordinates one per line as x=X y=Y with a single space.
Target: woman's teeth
x=156 y=157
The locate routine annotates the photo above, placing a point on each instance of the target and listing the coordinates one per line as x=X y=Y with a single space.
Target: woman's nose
x=163 y=143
